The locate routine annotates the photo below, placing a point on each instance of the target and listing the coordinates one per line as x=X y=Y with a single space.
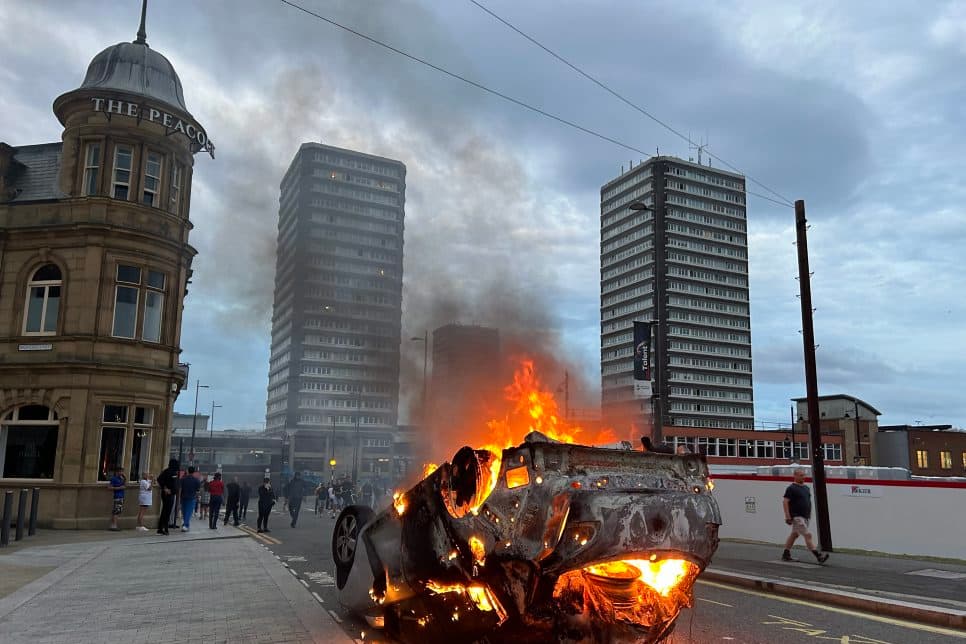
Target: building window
x=152 y=180
x=28 y=443
x=92 y=166
x=176 y=183
x=153 y=307
x=922 y=459
x=112 y=452
x=126 y=293
x=946 y=460
x=123 y=157
x=117 y=420
x=832 y=451
x=43 y=301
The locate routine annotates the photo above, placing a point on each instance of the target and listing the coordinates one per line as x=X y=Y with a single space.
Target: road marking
x=938 y=574
x=321 y=578
x=335 y=617
x=294 y=574
x=711 y=601
x=939 y=630
x=304 y=583
x=788 y=624
x=316 y=595
x=293 y=558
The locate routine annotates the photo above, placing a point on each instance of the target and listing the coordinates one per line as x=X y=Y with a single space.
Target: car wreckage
x=547 y=542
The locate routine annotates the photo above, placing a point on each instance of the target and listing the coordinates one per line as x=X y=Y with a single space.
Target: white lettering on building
x=173 y=123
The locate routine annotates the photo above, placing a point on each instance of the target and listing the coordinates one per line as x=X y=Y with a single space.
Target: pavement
x=925 y=590
x=201 y=586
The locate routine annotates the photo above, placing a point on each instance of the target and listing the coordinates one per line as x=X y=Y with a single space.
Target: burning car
x=547 y=541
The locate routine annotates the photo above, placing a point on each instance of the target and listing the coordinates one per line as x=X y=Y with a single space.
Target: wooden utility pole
x=811 y=383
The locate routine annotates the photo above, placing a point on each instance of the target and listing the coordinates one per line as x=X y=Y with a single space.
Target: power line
x=510 y=99
x=787 y=202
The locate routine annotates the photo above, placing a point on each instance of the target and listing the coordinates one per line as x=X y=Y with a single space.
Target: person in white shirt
x=145 y=499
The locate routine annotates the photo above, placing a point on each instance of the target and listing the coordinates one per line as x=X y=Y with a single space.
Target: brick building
x=94 y=263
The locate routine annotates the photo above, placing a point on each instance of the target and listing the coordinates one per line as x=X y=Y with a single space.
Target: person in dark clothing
x=189 y=490
x=168 y=482
x=266 y=499
x=217 y=490
x=294 y=492
x=367 y=493
x=798 y=510
x=246 y=494
x=231 y=506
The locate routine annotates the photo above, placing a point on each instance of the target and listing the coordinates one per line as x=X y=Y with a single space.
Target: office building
x=681 y=264
x=334 y=366
x=95 y=266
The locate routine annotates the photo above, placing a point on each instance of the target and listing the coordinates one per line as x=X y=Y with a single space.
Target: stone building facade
x=94 y=264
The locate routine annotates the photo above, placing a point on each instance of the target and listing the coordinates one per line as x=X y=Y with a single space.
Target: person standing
x=231 y=507
x=189 y=492
x=168 y=482
x=246 y=494
x=798 y=510
x=145 y=499
x=367 y=494
x=266 y=499
x=116 y=485
x=217 y=490
x=294 y=492
x=204 y=498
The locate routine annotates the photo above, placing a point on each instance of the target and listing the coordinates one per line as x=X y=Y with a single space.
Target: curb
x=869 y=603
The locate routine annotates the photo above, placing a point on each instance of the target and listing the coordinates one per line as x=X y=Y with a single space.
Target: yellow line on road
x=939 y=630
x=259 y=536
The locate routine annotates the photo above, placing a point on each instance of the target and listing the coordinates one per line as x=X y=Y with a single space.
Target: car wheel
x=345 y=540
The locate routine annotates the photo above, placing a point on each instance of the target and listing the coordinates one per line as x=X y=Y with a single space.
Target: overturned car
x=548 y=542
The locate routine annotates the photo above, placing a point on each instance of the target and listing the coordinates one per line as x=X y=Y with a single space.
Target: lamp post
x=194 y=422
x=358 y=447
x=425 y=341
x=658 y=399
x=332 y=464
x=211 y=421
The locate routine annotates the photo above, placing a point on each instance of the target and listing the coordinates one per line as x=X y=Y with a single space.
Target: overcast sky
x=856 y=107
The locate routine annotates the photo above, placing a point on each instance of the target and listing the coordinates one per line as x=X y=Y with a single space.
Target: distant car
x=549 y=542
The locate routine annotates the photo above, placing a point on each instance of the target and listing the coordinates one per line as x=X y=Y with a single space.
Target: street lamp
x=660 y=312
x=425 y=341
x=211 y=421
x=194 y=422
x=332 y=464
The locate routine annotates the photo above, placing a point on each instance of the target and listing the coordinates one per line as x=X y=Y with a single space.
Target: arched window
x=28 y=443
x=43 y=301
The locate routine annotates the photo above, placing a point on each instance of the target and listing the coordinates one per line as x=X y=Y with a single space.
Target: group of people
x=191 y=491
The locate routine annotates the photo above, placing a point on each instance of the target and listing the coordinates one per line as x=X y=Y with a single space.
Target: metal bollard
x=7 y=516
x=34 y=502
x=21 y=507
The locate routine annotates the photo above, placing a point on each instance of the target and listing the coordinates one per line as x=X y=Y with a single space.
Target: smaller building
x=247 y=455
x=185 y=421
x=855 y=420
x=749 y=447
x=925 y=450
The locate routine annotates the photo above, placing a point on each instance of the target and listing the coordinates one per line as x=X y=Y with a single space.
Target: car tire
x=345 y=540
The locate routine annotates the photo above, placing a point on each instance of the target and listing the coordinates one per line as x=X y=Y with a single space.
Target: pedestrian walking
x=245 y=496
x=798 y=510
x=204 y=498
x=367 y=494
x=294 y=492
x=231 y=506
x=116 y=485
x=145 y=499
x=168 y=482
x=331 y=502
x=266 y=499
x=190 y=485
x=217 y=489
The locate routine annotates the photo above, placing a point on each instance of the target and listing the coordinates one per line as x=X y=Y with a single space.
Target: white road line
x=316 y=595
x=335 y=617
x=711 y=601
x=304 y=583
x=294 y=574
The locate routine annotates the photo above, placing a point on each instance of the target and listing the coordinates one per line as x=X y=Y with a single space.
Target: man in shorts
x=116 y=485
x=798 y=510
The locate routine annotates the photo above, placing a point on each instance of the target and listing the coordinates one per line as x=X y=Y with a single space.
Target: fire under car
x=547 y=542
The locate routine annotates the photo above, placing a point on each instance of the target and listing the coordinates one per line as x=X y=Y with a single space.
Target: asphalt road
x=720 y=614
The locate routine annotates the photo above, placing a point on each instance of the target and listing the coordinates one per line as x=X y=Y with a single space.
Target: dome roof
x=135 y=68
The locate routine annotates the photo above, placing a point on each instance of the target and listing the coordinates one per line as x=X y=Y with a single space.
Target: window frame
x=922 y=459
x=176 y=186
x=133 y=431
x=118 y=147
x=160 y=293
x=945 y=459
x=11 y=419
x=91 y=171
x=46 y=285
x=146 y=177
